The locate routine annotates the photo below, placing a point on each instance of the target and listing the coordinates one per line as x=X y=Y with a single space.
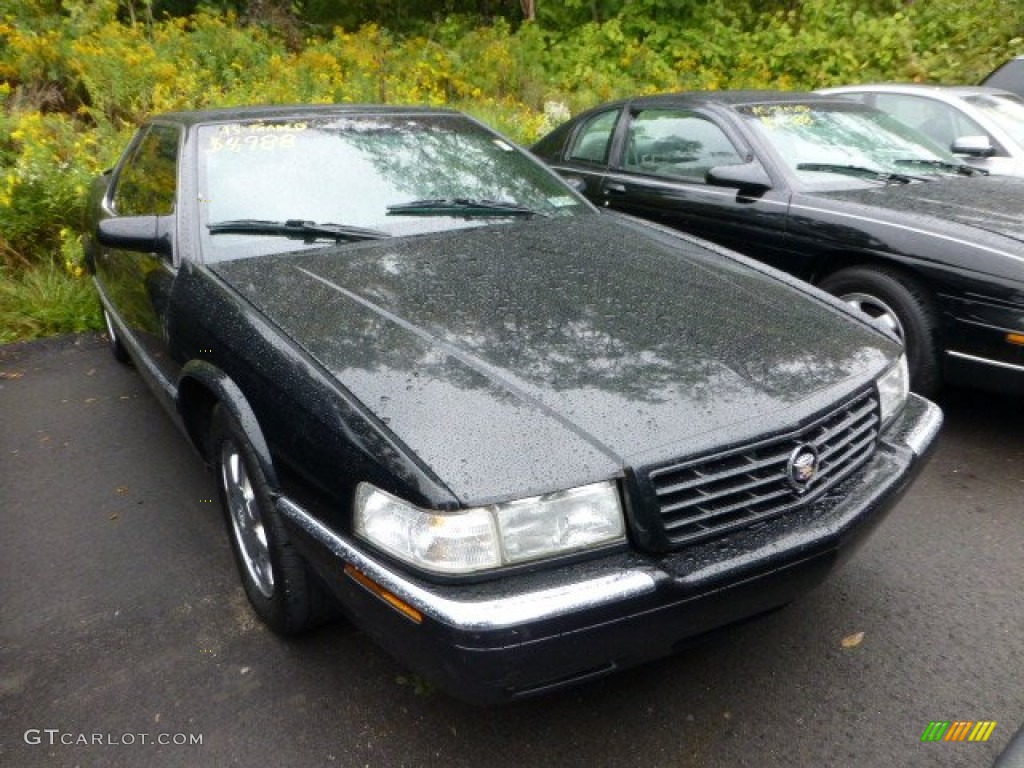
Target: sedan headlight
x=481 y=538
x=893 y=388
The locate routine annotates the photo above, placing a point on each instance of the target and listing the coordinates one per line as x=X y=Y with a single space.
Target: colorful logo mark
x=958 y=730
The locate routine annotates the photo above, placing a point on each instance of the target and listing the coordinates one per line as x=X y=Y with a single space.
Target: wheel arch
x=201 y=387
x=830 y=263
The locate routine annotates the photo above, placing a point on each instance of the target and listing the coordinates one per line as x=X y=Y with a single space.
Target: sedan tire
x=896 y=302
x=286 y=595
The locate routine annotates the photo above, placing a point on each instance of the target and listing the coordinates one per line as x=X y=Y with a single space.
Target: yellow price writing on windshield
x=784 y=115
x=268 y=142
x=257 y=137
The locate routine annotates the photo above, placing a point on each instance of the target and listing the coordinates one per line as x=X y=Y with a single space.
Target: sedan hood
x=523 y=358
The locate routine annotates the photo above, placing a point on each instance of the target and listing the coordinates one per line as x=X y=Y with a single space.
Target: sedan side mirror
x=749 y=178
x=973 y=146
x=145 y=234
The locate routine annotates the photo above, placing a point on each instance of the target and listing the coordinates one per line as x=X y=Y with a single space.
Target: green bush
x=75 y=79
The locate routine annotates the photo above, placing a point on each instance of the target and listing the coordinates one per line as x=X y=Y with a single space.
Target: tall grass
x=43 y=300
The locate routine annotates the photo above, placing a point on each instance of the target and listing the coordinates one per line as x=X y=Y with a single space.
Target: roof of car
x=731 y=98
x=277 y=111
x=727 y=98
x=940 y=91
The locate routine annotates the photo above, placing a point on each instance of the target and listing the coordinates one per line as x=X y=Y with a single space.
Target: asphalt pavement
x=125 y=638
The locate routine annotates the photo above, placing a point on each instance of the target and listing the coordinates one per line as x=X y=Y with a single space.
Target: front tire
x=286 y=595
x=897 y=302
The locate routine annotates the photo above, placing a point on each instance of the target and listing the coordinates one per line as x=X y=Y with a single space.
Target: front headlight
x=893 y=388
x=478 y=539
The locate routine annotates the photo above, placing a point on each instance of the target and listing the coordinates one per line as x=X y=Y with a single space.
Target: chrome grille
x=705 y=497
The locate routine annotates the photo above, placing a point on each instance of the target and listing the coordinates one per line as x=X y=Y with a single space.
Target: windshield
x=1004 y=110
x=835 y=146
x=273 y=185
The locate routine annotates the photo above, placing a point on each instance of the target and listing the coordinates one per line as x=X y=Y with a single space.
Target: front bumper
x=537 y=632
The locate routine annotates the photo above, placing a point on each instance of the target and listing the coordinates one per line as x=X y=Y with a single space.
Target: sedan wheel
x=246 y=522
x=877 y=310
x=895 y=301
x=283 y=591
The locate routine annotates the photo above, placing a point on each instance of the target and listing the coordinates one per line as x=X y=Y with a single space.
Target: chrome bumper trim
x=918 y=424
x=476 y=615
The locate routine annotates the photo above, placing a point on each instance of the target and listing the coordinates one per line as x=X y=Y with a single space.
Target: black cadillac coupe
x=835 y=193
x=520 y=442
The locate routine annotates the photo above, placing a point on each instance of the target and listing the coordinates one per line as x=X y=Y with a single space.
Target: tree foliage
x=76 y=76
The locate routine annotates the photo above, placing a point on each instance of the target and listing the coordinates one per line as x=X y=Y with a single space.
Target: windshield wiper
x=460 y=206
x=859 y=171
x=295 y=228
x=963 y=169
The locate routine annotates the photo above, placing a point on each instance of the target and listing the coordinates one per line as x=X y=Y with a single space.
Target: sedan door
x=584 y=162
x=136 y=285
x=659 y=171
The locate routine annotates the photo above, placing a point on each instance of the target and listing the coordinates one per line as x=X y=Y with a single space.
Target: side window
x=677 y=144
x=595 y=138
x=146 y=183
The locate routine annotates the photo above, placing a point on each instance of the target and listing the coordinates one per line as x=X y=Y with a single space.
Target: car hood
x=522 y=358
x=986 y=211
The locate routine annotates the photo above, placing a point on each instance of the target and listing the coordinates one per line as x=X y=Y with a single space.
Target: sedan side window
x=594 y=139
x=677 y=143
x=147 y=181
x=940 y=122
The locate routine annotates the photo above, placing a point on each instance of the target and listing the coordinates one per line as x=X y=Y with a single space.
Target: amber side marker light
x=399 y=605
x=1015 y=338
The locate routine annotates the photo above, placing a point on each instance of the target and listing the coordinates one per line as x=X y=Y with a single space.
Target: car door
x=585 y=159
x=659 y=169
x=137 y=285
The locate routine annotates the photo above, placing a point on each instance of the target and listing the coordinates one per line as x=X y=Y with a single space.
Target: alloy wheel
x=877 y=310
x=246 y=520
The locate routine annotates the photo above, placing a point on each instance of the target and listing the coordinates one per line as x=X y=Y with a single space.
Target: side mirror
x=973 y=146
x=145 y=234
x=748 y=178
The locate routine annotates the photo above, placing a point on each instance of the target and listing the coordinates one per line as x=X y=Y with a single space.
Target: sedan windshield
x=1004 y=110
x=273 y=185
x=830 y=146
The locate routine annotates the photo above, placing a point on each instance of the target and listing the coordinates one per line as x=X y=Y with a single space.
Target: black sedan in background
x=520 y=442
x=835 y=193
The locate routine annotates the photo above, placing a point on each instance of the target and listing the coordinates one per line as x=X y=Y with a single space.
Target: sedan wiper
x=460 y=206
x=295 y=228
x=859 y=171
x=962 y=169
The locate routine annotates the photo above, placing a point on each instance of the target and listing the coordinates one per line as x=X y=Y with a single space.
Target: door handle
x=614 y=188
